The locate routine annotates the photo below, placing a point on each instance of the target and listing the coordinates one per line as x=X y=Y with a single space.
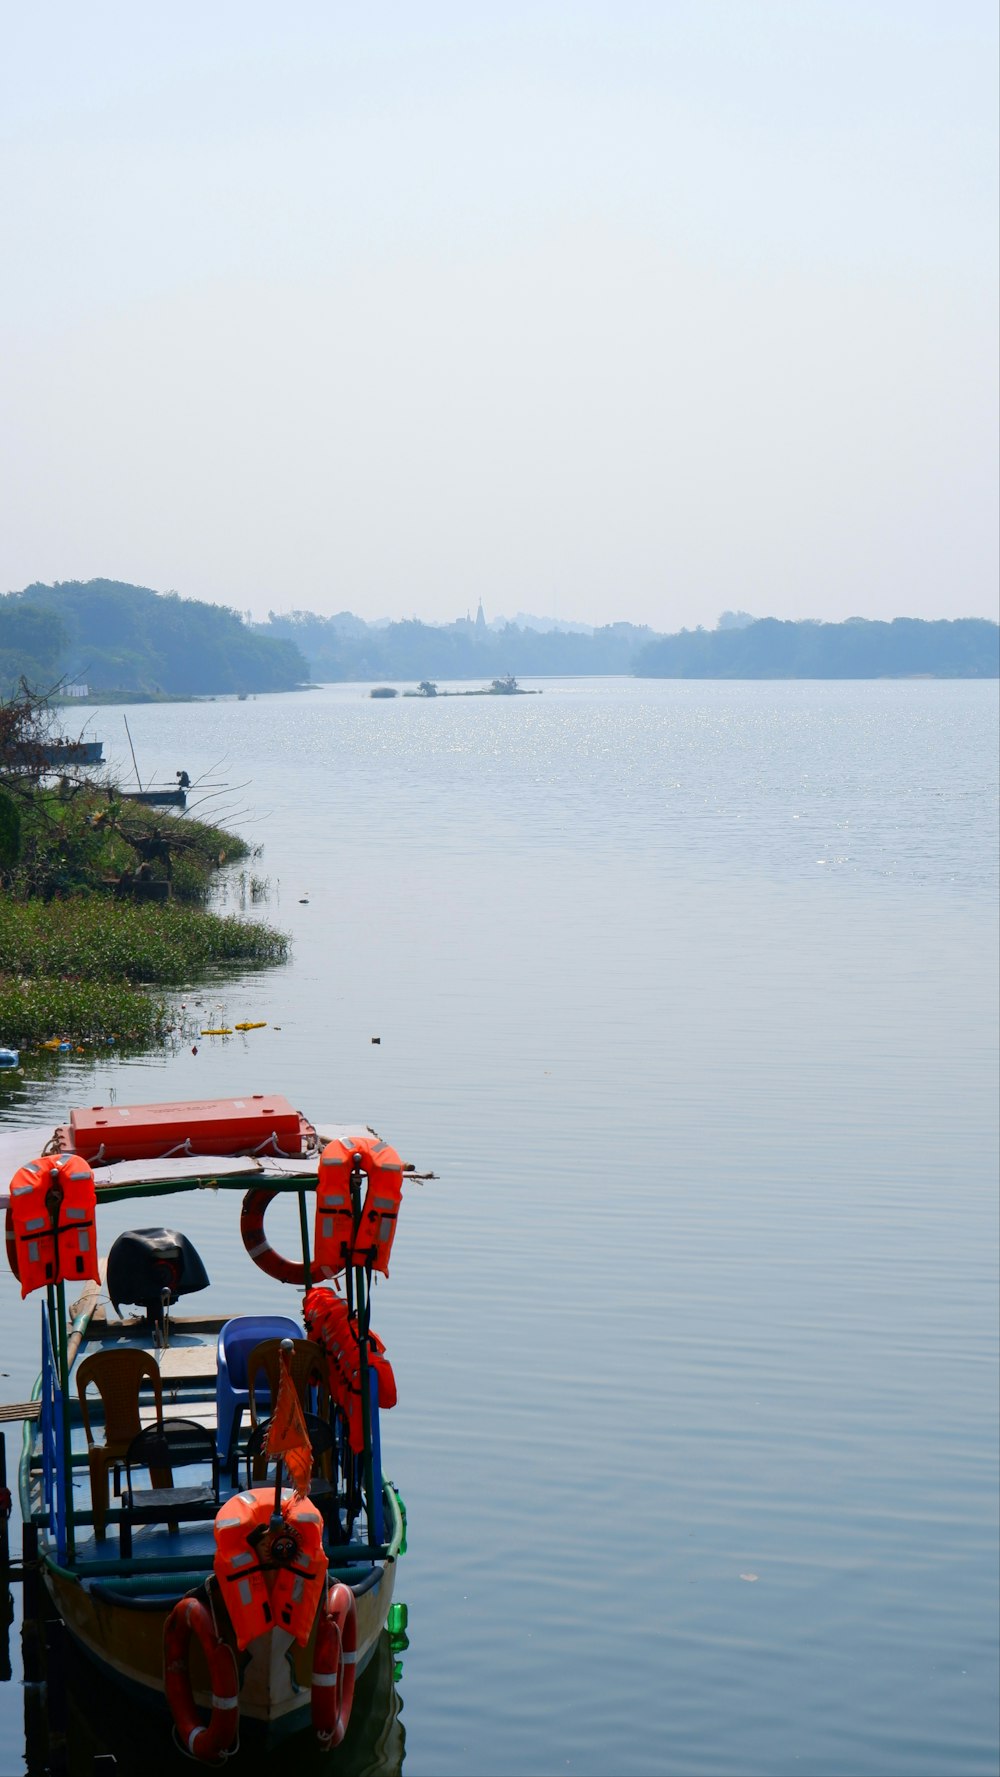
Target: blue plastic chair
x=232 y=1387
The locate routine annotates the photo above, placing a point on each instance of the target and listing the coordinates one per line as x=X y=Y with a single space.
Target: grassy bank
x=82 y=957
x=80 y=1012
x=84 y=967
x=94 y=939
x=77 y=837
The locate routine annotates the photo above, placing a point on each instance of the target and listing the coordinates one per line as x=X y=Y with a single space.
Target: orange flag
x=287 y=1435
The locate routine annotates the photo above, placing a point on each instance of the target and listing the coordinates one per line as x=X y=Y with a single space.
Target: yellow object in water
x=53 y=1043
x=248 y=1024
x=225 y=1031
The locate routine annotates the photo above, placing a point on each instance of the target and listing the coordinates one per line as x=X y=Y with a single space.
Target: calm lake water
x=688 y=992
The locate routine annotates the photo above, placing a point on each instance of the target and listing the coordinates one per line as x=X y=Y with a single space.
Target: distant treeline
x=344 y=647
x=116 y=637
x=965 y=648
x=120 y=638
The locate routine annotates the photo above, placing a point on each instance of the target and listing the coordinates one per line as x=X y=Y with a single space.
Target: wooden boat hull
x=103 y=1717
x=126 y=1641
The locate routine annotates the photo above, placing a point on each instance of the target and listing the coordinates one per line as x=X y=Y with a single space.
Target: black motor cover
x=146 y=1261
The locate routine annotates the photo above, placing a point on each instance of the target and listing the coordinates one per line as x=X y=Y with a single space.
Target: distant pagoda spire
x=480 y=616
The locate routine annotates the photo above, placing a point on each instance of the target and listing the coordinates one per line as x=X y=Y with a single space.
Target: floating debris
x=224 y=1030
x=251 y=1024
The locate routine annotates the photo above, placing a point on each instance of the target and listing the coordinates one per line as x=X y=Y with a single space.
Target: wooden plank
x=19 y=1410
x=187 y=1363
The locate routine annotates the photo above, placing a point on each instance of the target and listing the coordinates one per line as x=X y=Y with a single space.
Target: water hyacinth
x=98 y=939
x=32 y=1012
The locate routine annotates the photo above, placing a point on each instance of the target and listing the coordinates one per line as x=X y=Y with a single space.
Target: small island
x=505 y=687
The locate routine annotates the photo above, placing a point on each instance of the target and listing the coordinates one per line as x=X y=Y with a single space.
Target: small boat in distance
x=169 y=796
x=248 y=1600
x=73 y=752
x=40 y=756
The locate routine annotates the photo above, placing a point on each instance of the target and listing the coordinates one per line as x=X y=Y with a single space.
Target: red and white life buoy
x=206 y=1741
x=255 y=1205
x=334 y=1665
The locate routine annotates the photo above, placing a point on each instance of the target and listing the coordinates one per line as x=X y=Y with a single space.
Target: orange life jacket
x=347 y=1390
x=334 y=1216
x=52 y=1203
x=261 y=1593
x=328 y=1322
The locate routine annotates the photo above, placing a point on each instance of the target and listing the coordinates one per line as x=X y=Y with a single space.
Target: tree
x=10 y=831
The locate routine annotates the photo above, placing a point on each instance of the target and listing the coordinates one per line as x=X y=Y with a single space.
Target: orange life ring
x=201 y=1740
x=255 y=1205
x=335 y=1659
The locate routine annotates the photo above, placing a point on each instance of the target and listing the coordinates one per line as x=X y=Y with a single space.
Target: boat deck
x=188 y=1369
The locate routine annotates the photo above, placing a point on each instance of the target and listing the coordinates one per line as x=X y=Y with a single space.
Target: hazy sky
x=593 y=310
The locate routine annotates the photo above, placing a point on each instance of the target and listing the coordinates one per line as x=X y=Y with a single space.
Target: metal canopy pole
x=304 y=1231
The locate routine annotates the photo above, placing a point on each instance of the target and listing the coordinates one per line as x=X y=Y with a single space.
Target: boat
x=168 y=796
x=52 y=754
x=72 y=752
x=248 y=1601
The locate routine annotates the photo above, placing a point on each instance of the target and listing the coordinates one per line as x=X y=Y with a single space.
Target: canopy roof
x=186 y=1172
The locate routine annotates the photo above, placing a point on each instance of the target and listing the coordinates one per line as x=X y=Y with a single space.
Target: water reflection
x=86 y=1718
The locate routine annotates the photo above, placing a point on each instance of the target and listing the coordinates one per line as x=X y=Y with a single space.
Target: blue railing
x=377 y=1528
x=54 y=1465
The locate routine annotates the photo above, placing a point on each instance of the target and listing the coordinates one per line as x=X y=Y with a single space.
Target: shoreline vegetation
x=105 y=641
x=84 y=945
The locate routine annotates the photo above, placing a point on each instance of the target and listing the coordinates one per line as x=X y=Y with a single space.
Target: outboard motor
x=151 y=1267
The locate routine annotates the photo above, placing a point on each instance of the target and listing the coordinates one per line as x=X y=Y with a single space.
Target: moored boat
x=167 y=796
x=73 y=752
x=245 y=1585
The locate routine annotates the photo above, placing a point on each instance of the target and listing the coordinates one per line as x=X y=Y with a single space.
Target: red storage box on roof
x=263 y=1123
